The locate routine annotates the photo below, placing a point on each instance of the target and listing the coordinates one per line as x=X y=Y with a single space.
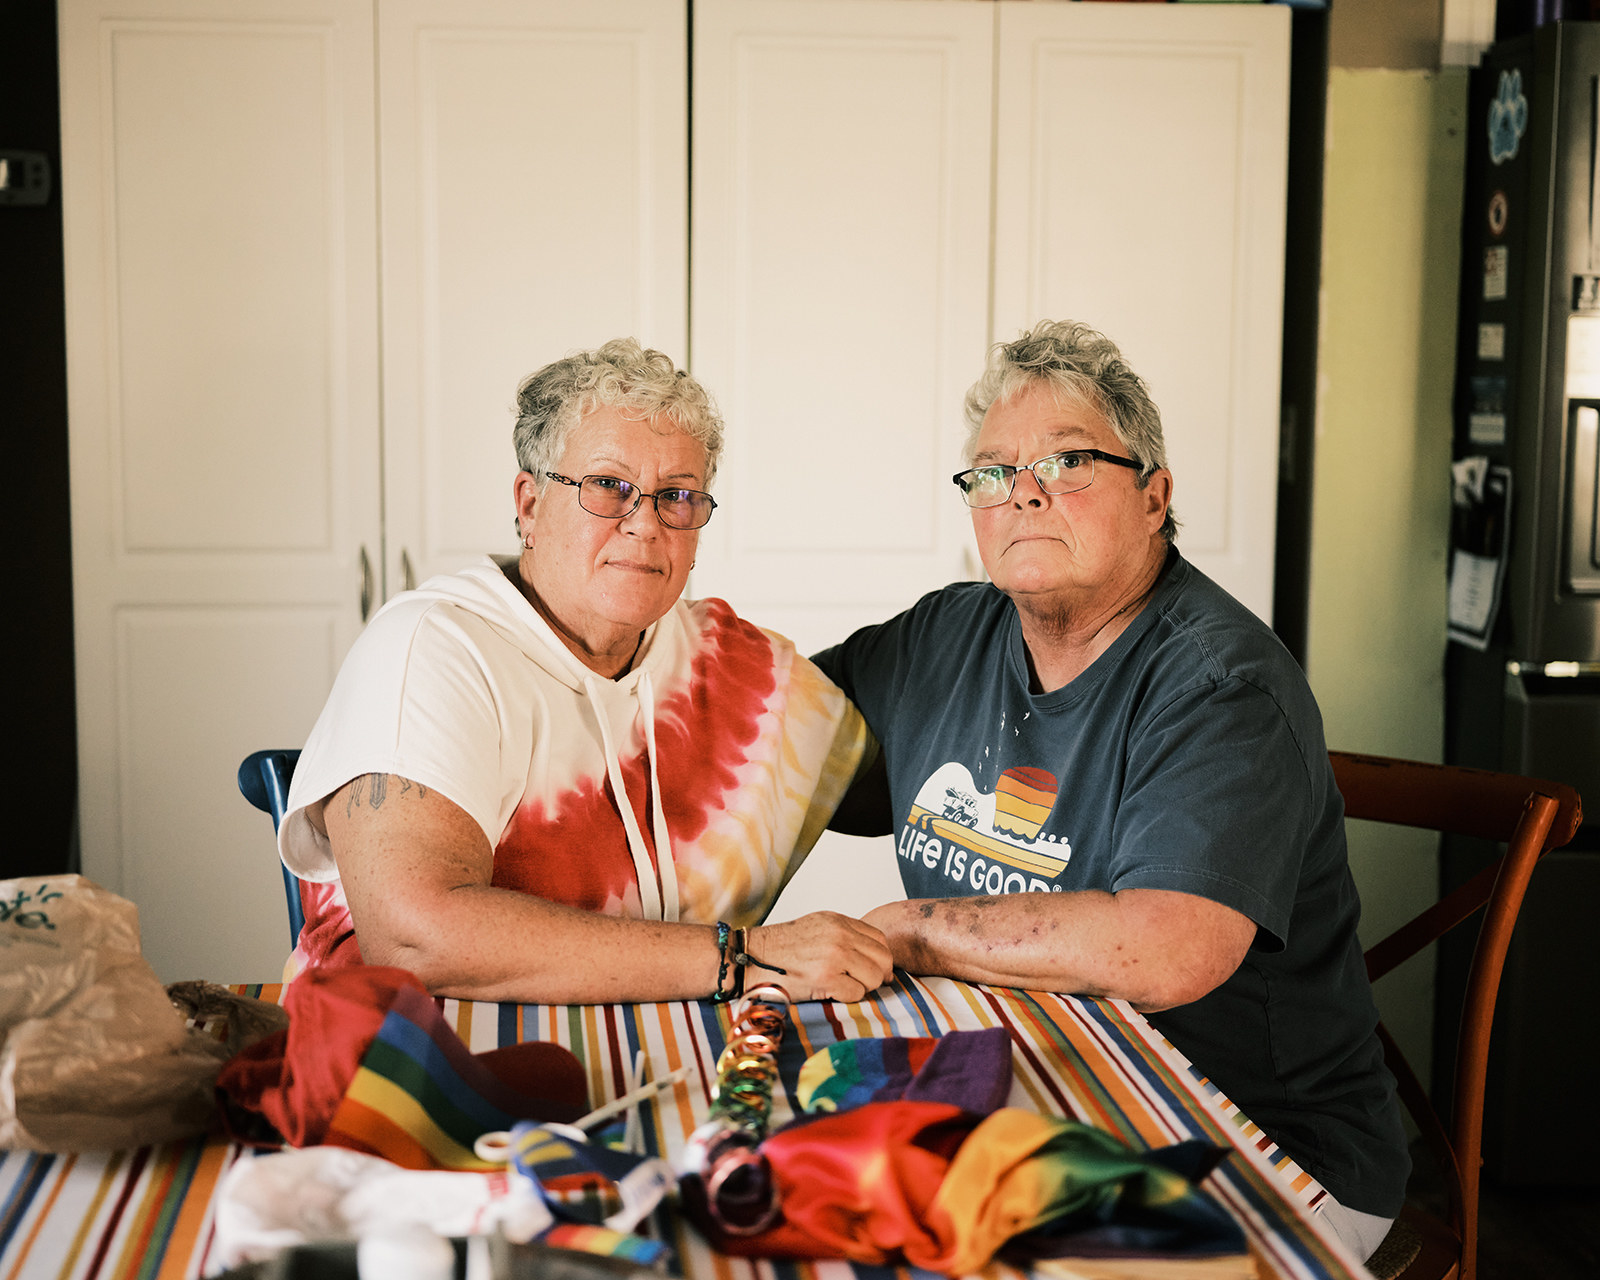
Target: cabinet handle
x=408 y=576
x=366 y=583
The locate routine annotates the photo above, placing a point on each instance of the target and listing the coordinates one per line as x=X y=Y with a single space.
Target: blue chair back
x=264 y=781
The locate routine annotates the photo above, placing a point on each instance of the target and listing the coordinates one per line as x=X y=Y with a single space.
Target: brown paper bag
x=93 y=1053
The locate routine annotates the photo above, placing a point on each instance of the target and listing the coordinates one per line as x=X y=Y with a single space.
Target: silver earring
x=527 y=542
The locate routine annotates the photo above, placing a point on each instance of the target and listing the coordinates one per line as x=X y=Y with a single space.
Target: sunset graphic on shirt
x=990 y=842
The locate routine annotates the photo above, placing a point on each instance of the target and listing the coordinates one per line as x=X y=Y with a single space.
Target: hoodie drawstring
x=658 y=813
x=658 y=898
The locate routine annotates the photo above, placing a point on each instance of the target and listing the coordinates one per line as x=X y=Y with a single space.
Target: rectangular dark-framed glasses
x=1065 y=472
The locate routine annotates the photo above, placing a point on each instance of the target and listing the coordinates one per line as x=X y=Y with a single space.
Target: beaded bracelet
x=739 y=956
x=736 y=947
x=719 y=996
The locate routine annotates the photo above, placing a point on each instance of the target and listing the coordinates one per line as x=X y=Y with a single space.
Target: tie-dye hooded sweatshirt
x=690 y=788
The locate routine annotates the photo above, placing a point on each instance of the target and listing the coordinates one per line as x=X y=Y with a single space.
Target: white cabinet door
x=221 y=169
x=217 y=170
x=840 y=304
x=1140 y=187
x=840 y=297
x=535 y=200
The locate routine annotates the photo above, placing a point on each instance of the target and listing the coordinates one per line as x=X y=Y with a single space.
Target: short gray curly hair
x=642 y=383
x=1081 y=366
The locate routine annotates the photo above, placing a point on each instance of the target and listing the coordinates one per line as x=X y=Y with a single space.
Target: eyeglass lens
x=1059 y=473
x=612 y=498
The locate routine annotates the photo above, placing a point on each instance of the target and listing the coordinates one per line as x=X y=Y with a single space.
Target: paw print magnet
x=1508 y=117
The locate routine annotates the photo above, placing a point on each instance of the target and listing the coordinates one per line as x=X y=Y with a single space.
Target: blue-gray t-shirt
x=1189 y=756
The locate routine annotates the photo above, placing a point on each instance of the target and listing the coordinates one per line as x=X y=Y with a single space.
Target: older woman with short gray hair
x=1147 y=810
x=550 y=779
x=624 y=375
x=1078 y=365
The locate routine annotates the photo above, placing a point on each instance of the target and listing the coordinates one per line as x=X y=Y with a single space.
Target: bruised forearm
x=1153 y=948
x=1006 y=941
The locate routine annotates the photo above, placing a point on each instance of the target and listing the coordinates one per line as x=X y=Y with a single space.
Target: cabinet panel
x=840 y=297
x=199 y=689
x=221 y=341
x=534 y=161
x=1161 y=223
x=221 y=249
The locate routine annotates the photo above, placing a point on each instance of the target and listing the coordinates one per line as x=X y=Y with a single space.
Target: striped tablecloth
x=147 y=1213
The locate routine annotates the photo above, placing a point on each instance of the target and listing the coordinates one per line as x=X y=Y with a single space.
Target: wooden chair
x=1530 y=816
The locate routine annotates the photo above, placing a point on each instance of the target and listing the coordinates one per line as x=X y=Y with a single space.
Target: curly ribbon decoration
x=725 y=1151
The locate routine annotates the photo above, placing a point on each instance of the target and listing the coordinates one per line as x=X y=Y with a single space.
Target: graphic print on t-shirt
x=986 y=842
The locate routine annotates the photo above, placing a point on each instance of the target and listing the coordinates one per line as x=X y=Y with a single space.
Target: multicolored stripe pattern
x=419 y=1098
x=146 y=1215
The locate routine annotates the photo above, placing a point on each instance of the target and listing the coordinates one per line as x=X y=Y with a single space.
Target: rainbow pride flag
x=421 y=1099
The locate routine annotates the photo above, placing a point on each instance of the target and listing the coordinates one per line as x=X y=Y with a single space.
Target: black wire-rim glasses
x=1066 y=472
x=612 y=498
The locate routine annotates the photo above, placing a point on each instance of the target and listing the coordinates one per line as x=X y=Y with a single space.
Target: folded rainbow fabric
x=909 y=1155
x=608 y=1243
x=369 y=1062
x=1033 y=1186
x=931 y=1185
x=421 y=1099
x=968 y=1069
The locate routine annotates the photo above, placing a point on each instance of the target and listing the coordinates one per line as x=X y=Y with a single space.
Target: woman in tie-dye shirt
x=547 y=778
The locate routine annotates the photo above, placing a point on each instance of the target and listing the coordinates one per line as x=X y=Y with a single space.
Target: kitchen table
x=148 y=1213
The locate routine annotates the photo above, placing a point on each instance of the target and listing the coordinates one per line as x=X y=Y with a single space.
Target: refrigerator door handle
x=1583 y=568
x=1594 y=169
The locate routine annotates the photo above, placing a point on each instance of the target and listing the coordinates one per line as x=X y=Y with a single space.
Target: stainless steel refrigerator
x=1523 y=666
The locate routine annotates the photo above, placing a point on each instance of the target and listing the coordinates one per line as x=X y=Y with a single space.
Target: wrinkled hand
x=828 y=957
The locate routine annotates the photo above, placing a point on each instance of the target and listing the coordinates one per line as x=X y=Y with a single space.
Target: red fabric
x=297 y=1078
x=327 y=935
x=860 y=1184
x=541 y=1070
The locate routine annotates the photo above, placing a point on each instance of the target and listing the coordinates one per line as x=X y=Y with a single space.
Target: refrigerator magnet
x=1508 y=117
x=1486 y=422
x=1496 y=263
x=1480 y=526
